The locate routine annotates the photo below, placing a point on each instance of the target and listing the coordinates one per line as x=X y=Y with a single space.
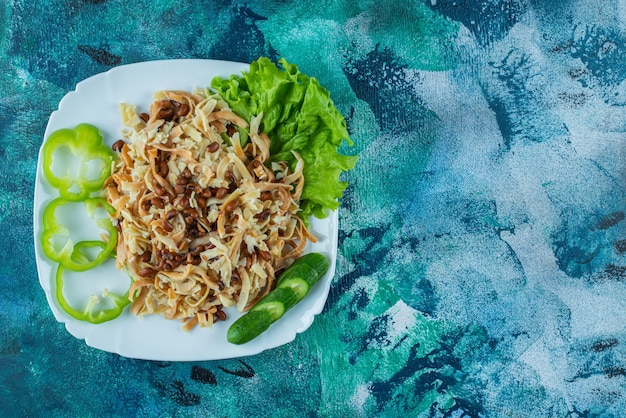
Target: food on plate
x=209 y=195
x=84 y=143
x=91 y=312
x=75 y=187
x=57 y=242
x=293 y=285
x=204 y=221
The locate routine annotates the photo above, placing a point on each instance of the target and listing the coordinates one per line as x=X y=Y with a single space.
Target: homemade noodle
x=203 y=222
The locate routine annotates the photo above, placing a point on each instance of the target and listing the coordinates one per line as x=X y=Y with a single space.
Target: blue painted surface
x=482 y=255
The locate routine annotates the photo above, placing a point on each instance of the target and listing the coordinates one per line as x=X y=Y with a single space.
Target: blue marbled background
x=482 y=267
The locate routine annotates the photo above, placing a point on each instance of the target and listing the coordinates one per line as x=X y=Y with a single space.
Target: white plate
x=95 y=101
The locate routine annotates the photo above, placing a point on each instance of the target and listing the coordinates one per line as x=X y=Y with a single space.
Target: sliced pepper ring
x=89 y=313
x=71 y=255
x=85 y=143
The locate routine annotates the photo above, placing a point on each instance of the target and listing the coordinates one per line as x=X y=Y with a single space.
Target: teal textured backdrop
x=482 y=251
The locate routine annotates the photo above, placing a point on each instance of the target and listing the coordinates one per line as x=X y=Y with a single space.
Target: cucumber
x=255 y=323
x=277 y=302
x=298 y=286
x=292 y=286
x=310 y=267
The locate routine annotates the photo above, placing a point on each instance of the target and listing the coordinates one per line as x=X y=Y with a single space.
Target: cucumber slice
x=298 y=285
x=275 y=308
x=310 y=267
x=277 y=302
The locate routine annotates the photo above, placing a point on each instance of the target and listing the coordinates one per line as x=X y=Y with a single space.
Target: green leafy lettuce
x=298 y=115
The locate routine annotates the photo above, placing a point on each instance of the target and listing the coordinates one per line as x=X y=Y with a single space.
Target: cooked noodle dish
x=203 y=223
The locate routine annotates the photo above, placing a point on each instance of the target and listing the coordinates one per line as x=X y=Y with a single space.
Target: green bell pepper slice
x=85 y=143
x=90 y=313
x=71 y=255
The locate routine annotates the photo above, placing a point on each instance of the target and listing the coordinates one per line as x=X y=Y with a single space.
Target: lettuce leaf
x=298 y=115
